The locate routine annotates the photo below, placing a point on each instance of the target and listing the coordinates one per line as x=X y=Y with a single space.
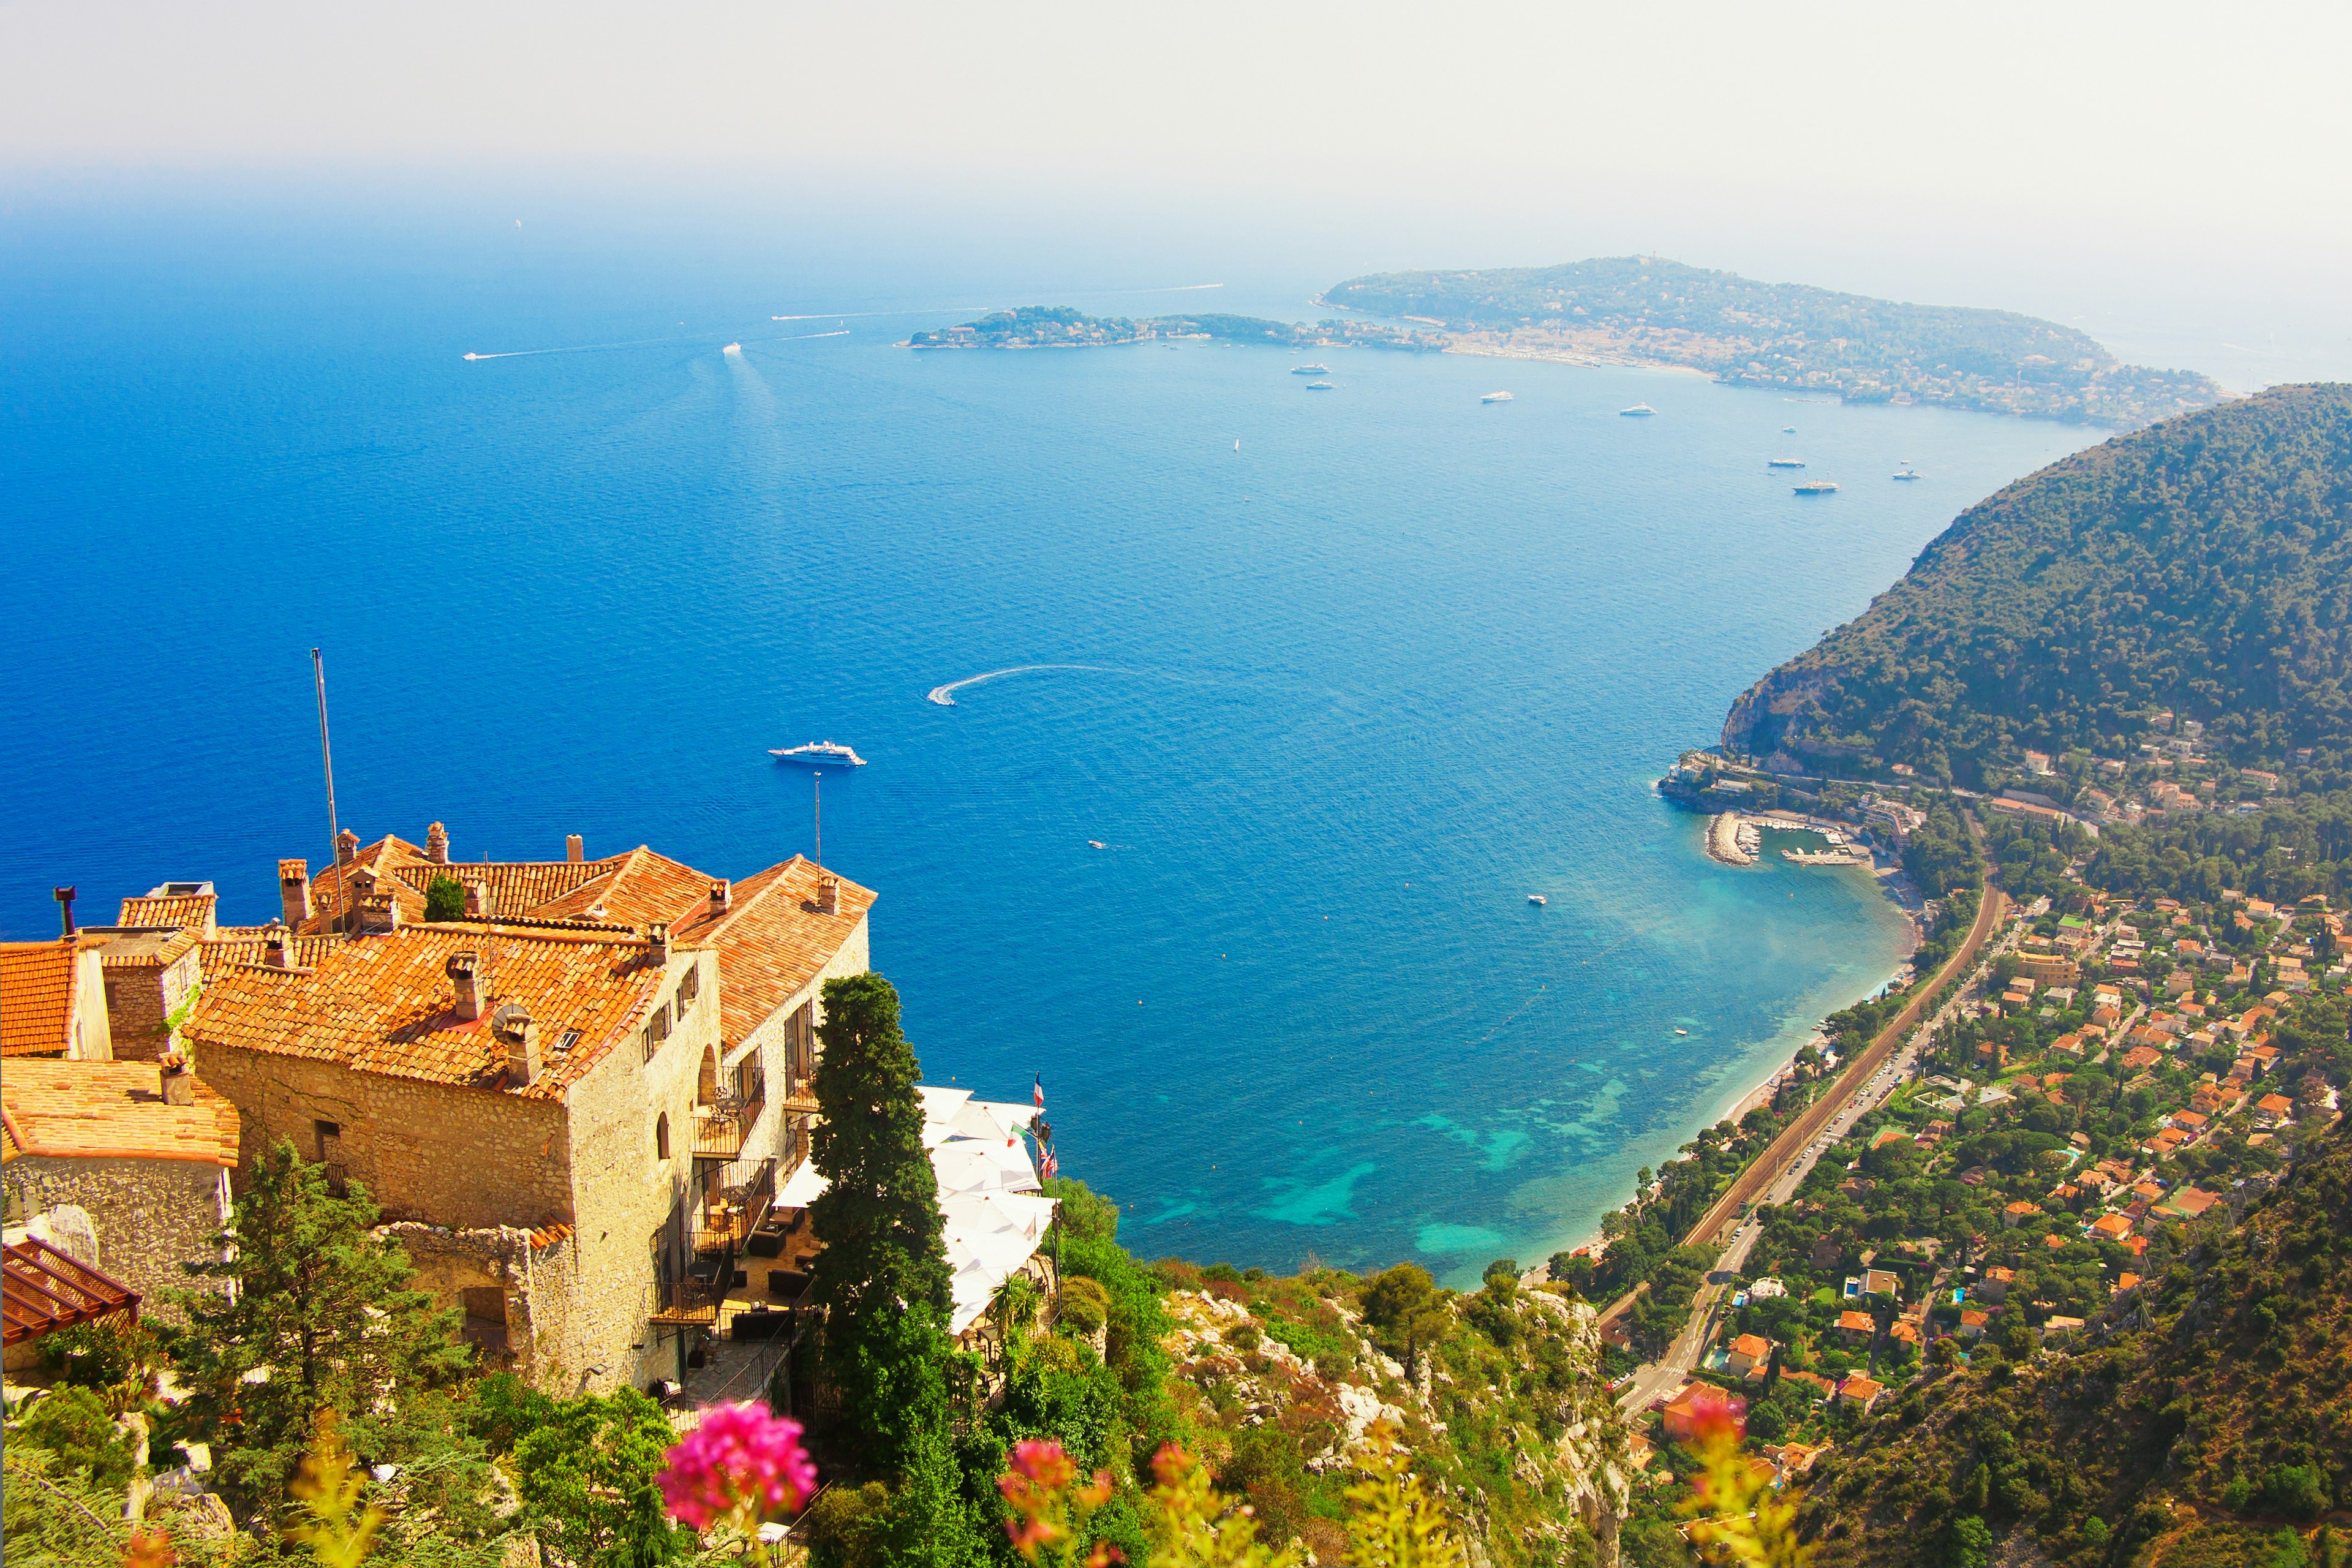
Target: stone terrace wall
x=151 y=1215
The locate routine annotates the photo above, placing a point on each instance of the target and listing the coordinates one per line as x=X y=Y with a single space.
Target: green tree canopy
x=321 y=1315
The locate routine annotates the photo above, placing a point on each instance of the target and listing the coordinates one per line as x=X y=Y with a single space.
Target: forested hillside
x=2206 y=1419
x=2202 y=566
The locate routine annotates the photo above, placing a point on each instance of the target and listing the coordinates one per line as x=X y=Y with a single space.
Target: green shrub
x=2298 y=1491
x=74 y=1425
x=1085 y=1305
x=445 y=898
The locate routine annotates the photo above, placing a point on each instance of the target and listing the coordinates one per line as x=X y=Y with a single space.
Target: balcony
x=719 y=1131
x=674 y=1302
x=724 y=1224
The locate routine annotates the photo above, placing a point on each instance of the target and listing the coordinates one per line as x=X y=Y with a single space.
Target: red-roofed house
x=53 y=1001
x=1746 y=1353
x=1859 y=1393
x=1857 y=1328
x=575 y=1104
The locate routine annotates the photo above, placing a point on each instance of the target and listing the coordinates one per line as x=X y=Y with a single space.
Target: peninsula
x=1645 y=311
x=1059 y=327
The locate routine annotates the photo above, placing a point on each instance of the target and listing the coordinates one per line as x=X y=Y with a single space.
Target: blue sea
x=1241 y=870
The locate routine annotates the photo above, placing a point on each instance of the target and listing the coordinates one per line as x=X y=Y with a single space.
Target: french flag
x=1041 y=1092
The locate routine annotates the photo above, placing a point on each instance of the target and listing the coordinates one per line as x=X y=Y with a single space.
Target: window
x=689 y=986
x=661 y=1136
x=660 y=1025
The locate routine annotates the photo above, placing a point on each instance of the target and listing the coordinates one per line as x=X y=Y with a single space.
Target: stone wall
x=632 y=1200
x=446 y=1155
x=151 y=1215
x=140 y=999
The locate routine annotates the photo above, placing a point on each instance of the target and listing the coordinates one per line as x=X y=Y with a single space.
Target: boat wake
x=649 y=342
x=943 y=695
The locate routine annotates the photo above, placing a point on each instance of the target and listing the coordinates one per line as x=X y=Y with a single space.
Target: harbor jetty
x=1736 y=839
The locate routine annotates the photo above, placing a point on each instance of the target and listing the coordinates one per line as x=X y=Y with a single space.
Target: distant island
x=1636 y=309
x=1059 y=327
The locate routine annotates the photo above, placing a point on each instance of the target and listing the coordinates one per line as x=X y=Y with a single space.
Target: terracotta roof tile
x=231 y=952
x=514 y=887
x=37 y=995
x=148 y=953
x=93 y=1111
x=162 y=910
x=379 y=860
x=773 y=941
x=383 y=1003
x=641 y=887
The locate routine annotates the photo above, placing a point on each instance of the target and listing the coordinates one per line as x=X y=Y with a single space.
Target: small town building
x=1856 y=1328
x=1746 y=1353
x=53 y=1000
x=1859 y=1393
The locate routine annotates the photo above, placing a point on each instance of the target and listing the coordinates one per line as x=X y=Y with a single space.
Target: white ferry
x=1319 y=387
x=1639 y=411
x=1817 y=488
x=1310 y=369
x=1496 y=397
x=1784 y=462
x=820 y=754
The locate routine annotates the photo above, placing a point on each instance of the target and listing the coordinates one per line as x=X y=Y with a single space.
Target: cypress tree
x=883 y=1275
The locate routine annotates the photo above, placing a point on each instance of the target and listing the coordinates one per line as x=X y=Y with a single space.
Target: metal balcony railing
x=719 y=1131
x=684 y=1300
x=723 y=1226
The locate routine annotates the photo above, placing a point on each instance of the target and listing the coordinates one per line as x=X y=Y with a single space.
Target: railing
x=719 y=1131
x=724 y=1225
x=684 y=1300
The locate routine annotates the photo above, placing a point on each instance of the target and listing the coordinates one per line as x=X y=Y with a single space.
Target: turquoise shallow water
x=1352 y=692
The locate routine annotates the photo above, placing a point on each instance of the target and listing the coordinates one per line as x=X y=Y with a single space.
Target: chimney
x=478 y=902
x=518 y=1032
x=294 y=889
x=281 y=948
x=379 y=909
x=436 y=845
x=657 y=940
x=574 y=849
x=466 y=979
x=722 y=893
x=347 y=847
x=64 y=897
x=828 y=894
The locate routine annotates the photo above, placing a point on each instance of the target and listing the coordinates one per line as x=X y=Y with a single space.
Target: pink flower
x=1044 y=1462
x=1716 y=1415
x=740 y=1465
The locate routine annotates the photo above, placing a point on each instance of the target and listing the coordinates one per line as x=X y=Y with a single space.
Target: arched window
x=661 y=1136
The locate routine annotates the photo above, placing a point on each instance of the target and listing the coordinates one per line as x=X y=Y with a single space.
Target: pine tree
x=322 y=1311
x=883 y=1275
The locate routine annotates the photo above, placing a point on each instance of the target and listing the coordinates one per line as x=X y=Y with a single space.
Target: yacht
x=1319 y=387
x=1496 y=397
x=1910 y=473
x=1310 y=369
x=1817 y=488
x=1787 y=429
x=732 y=349
x=820 y=754
x=1784 y=462
x=1639 y=411
x=1538 y=898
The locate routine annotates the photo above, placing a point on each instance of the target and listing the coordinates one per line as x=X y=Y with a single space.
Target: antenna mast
x=334 y=830
x=816 y=798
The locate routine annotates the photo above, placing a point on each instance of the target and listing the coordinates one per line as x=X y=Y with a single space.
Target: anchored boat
x=820 y=754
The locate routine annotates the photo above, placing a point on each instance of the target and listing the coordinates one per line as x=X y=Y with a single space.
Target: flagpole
x=334 y=830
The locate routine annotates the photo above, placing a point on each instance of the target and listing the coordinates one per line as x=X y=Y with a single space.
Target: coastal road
x=1776 y=1167
x=1708 y=1307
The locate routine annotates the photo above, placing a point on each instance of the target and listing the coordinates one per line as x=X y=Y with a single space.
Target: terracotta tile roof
x=37 y=995
x=165 y=910
x=514 y=887
x=773 y=941
x=230 y=953
x=377 y=861
x=94 y=1111
x=548 y=1235
x=148 y=951
x=383 y=1003
x=641 y=887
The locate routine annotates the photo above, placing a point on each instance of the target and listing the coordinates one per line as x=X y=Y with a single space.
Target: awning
x=45 y=1291
x=801 y=1188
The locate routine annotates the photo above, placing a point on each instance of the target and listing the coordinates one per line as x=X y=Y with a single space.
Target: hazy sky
x=2139 y=163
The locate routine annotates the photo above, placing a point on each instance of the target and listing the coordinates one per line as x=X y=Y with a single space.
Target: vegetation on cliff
x=2206 y=1419
x=1786 y=335
x=2202 y=567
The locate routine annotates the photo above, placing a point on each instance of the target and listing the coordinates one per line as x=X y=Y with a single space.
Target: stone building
x=573 y=1104
x=53 y=1000
x=102 y=1137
